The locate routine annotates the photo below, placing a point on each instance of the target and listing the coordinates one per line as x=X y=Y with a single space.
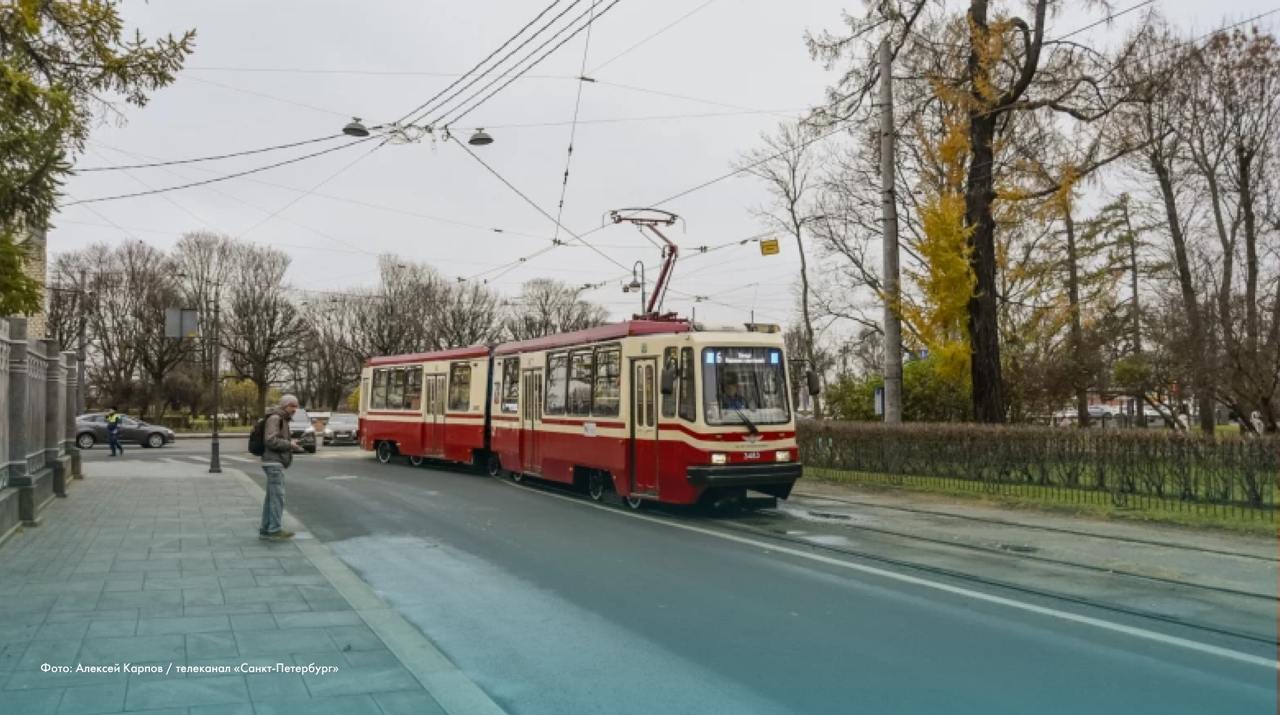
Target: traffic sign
x=769 y=247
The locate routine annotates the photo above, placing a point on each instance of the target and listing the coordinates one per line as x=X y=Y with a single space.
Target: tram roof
x=471 y=351
x=611 y=331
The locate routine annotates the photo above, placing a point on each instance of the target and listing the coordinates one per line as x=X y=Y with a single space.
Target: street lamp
x=480 y=138
x=355 y=128
x=637 y=283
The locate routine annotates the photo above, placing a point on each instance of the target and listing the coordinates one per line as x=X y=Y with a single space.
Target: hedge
x=1164 y=465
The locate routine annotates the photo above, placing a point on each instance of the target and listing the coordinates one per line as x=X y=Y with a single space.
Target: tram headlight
x=782 y=455
x=719 y=458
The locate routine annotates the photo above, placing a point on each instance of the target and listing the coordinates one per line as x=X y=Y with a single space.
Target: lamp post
x=215 y=460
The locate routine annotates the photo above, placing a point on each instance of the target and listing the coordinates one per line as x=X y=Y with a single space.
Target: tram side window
x=379 y=401
x=688 y=410
x=670 y=362
x=460 y=387
x=510 y=385
x=413 y=389
x=580 y=376
x=608 y=383
x=557 y=383
x=395 y=389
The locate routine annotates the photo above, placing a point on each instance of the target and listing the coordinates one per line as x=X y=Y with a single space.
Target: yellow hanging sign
x=769 y=247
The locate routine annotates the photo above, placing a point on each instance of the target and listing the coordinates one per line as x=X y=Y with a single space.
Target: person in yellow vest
x=113 y=431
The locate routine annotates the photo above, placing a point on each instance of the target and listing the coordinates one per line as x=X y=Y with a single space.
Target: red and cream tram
x=651 y=409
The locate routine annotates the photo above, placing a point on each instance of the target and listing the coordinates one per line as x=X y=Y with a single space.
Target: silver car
x=91 y=429
x=342 y=428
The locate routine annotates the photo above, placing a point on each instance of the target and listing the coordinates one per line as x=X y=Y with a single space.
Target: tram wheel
x=634 y=502
x=416 y=461
x=596 y=486
x=494 y=465
x=384 y=452
x=517 y=476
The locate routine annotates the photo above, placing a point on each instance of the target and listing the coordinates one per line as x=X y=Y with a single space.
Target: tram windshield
x=745 y=386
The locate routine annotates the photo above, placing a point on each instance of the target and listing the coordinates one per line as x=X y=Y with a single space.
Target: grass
x=1082 y=502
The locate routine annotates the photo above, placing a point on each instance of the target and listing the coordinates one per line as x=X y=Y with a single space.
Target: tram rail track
x=997 y=551
x=1038 y=527
x=666 y=512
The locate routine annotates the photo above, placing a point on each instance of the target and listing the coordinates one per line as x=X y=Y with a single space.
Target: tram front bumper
x=775 y=479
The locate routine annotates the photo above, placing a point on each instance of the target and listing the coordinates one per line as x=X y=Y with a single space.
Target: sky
x=661 y=117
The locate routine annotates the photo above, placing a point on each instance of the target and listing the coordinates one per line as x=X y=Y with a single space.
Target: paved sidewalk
x=158 y=564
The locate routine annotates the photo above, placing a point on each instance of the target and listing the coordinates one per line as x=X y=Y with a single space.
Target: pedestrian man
x=277 y=455
x=113 y=432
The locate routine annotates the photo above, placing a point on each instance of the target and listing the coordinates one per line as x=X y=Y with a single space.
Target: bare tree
x=203 y=260
x=329 y=363
x=397 y=317
x=262 y=330
x=467 y=316
x=152 y=281
x=545 y=307
x=786 y=163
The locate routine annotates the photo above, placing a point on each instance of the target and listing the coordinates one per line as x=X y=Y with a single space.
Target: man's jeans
x=113 y=441
x=273 y=503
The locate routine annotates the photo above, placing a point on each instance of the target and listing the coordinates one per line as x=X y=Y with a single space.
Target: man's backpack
x=257 y=438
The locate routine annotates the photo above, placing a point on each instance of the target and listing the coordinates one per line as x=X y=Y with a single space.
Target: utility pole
x=215 y=463
x=889 y=218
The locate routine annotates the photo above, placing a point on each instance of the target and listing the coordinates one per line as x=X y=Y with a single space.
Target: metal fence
x=1130 y=469
x=37 y=404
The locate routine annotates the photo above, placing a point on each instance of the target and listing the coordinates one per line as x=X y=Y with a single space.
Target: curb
x=207 y=435
x=445 y=682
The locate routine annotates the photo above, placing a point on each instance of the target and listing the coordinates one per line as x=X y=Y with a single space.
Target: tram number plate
x=752 y=455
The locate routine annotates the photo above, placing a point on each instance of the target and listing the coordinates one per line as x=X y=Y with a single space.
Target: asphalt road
x=555 y=605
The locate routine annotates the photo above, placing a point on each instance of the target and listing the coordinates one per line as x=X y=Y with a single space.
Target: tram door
x=530 y=421
x=644 y=425
x=435 y=414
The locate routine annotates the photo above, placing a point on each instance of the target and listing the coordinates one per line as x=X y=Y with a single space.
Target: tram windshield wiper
x=751 y=426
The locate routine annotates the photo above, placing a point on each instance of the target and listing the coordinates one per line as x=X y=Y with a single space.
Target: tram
x=648 y=409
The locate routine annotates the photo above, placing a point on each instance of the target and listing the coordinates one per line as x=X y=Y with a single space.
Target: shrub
x=1164 y=465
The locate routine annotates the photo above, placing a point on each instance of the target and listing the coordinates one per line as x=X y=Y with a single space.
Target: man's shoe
x=282 y=535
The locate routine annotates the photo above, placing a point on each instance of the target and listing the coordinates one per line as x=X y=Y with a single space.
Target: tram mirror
x=669 y=378
x=814 y=386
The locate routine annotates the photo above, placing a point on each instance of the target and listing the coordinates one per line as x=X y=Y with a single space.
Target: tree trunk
x=1077 y=331
x=262 y=396
x=1201 y=383
x=984 y=329
x=810 y=350
x=1251 y=323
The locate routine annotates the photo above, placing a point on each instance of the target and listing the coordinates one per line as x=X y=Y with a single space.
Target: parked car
x=91 y=429
x=342 y=428
x=300 y=429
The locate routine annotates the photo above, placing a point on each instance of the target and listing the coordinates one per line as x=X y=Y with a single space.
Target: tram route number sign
x=769 y=247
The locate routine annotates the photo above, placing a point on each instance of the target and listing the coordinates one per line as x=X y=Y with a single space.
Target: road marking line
x=340 y=477
x=1132 y=631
